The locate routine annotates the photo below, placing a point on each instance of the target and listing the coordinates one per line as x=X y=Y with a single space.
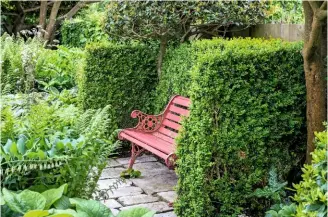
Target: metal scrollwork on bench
x=147 y=123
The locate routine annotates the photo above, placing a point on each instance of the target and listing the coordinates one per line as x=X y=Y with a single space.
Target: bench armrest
x=147 y=123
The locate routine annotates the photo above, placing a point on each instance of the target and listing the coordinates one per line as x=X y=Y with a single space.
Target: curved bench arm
x=147 y=123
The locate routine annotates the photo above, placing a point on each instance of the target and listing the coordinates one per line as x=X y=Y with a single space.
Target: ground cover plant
x=48 y=143
x=55 y=202
x=311 y=193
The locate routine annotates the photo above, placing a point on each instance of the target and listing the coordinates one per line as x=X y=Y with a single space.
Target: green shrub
x=86 y=28
x=247 y=115
x=119 y=75
x=311 y=193
x=27 y=66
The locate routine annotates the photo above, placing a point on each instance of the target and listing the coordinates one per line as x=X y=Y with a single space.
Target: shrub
x=120 y=75
x=311 y=193
x=27 y=66
x=52 y=143
x=248 y=106
x=86 y=28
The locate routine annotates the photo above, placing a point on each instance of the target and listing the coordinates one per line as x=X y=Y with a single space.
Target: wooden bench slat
x=164 y=137
x=167 y=132
x=145 y=146
x=171 y=124
x=178 y=110
x=173 y=117
x=182 y=101
x=153 y=141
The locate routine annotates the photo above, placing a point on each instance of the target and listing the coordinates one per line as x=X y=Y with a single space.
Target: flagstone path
x=153 y=189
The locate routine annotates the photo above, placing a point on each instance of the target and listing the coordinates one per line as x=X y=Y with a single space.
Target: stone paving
x=154 y=189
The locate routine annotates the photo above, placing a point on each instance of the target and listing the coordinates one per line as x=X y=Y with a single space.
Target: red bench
x=157 y=133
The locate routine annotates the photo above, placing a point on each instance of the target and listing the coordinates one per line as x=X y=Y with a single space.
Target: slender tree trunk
x=162 y=50
x=52 y=20
x=19 y=21
x=316 y=111
x=43 y=17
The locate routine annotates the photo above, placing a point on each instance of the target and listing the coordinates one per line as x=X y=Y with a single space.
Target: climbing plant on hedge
x=247 y=114
x=120 y=75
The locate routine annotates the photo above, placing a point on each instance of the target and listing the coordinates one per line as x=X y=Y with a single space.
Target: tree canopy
x=167 y=20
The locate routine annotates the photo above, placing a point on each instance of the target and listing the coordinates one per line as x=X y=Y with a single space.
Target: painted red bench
x=157 y=133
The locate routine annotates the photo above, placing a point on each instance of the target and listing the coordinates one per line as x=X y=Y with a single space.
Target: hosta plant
x=55 y=203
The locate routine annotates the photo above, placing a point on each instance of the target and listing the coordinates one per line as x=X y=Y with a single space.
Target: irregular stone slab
x=113 y=163
x=124 y=191
x=113 y=183
x=137 y=199
x=159 y=207
x=158 y=183
x=169 y=196
x=115 y=211
x=166 y=214
x=150 y=169
x=111 y=203
x=110 y=173
x=141 y=159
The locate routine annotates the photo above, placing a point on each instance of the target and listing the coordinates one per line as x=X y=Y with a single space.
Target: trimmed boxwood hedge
x=120 y=75
x=247 y=115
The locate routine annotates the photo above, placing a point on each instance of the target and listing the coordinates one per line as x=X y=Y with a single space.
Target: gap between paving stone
x=137 y=199
x=159 y=207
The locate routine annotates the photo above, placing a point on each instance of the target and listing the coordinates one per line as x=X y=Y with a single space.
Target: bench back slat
x=177 y=108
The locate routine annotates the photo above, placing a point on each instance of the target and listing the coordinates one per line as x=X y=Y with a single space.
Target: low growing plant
x=310 y=199
x=55 y=202
x=52 y=143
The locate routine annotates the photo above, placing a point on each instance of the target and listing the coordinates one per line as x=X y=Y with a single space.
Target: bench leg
x=135 y=152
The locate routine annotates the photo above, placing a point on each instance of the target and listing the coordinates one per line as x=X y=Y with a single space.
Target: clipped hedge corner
x=247 y=115
x=120 y=75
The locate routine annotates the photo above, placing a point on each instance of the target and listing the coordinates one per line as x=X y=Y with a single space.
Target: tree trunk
x=19 y=19
x=52 y=20
x=162 y=50
x=43 y=17
x=314 y=75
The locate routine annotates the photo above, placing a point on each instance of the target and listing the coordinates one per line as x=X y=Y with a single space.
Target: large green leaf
x=91 y=208
x=62 y=203
x=21 y=145
x=137 y=212
x=25 y=201
x=37 y=213
x=7 y=146
x=53 y=195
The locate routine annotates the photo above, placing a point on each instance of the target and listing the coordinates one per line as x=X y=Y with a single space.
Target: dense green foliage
x=311 y=193
x=165 y=20
x=85 y=28
x=119 y=75
x=55 y=202
x=247 y=117
x=287 y=12
x=46 y=142
x=27 y=66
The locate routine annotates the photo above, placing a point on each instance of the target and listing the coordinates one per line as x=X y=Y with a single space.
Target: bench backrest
x=177 y=108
